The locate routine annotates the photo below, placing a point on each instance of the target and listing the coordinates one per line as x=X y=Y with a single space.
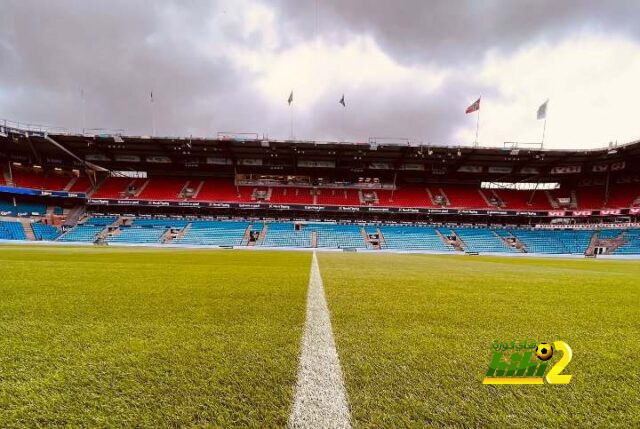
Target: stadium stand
x=81 y=184
x=101 y=220
x=338 y=197
x=117 y=187
x=337 y=236
x=285 y=235
x=402 y=237
x=624 y=195
x=291 y=196
x=138 y=235
x=404 y=197
x=463 y=197
x=632 y=243
x=482 y=240
x=224 y=191
x=609 y=233
x=523 y=200
x=214 y=233
x=11 y=231
x=161 y=222
x=162 y=188
x=81 y=233
x=554 y=241
x=44 y=232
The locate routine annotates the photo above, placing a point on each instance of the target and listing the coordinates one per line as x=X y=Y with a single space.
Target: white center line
x=320 y=398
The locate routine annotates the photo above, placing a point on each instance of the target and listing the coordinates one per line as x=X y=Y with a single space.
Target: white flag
x=542 y=110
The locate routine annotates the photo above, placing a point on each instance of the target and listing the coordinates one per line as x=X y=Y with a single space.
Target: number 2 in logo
x=554 y=376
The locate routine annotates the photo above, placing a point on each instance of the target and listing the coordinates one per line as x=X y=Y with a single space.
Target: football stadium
x=168 y=278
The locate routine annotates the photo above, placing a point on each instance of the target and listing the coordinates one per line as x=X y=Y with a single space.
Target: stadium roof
x=242 y=152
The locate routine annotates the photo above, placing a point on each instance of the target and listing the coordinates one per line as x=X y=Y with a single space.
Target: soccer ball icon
x=544 y=351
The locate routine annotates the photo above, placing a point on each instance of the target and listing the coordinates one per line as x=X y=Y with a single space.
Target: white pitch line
x=320 y=399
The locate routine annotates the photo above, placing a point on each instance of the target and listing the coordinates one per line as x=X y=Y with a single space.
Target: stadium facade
x=242 y=190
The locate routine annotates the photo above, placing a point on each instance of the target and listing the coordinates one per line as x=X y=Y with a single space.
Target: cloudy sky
x=408 y=69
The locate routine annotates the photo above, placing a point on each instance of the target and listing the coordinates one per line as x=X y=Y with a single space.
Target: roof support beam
x=74 y=156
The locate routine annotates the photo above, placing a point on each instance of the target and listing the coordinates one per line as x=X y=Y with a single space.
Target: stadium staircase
x=28 y=232
x=593 y=243
x=456 y=244
x=197 y=190
x=168 y=236
x=610 y=240
x=139 y=190
x=552 y=201
x=98 y=185
x=181 y=233
x=484 y=197
x=246 y=238
x=494 y=195
x=381 y=242
x=186 y=186
x=74 y=216
x=365 y=237
x=444 y=195
x=263 y=234
x=574 y=200
x=314 y=239
x=511 y=240
x=72 y=182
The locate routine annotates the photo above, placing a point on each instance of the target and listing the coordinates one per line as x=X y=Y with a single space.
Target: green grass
x=149 y=338
x=413 y=335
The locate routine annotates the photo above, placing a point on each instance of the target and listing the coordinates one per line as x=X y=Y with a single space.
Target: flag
x=290 y=100
x=342 y=101
x=542 y=110
x=474 y=107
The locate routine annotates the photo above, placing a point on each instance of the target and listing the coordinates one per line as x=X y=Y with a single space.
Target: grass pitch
x=149 y=338
x=413 y=335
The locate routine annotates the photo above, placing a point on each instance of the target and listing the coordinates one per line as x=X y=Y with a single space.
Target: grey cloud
x=119 y=50
x=460 y=31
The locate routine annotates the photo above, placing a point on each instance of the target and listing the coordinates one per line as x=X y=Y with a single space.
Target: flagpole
x=153 y=117
x=291 y=114
x=344 y=113
x=84 y=116
x=544 y=129
x=477 y=127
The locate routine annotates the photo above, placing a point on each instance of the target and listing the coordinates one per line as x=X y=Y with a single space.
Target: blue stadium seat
x=214 y=233
x=81 y=233
x=139 y=235
x=482 y=240
x=11 y=231
x=284 y=235
x=402 y=237
x=44 y=232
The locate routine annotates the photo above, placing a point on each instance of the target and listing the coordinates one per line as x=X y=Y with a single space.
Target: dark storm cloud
x=457 y=31
x=117 y=51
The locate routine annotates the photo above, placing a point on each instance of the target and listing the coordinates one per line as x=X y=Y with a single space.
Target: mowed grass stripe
x=413 y=333
x=149 y=338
